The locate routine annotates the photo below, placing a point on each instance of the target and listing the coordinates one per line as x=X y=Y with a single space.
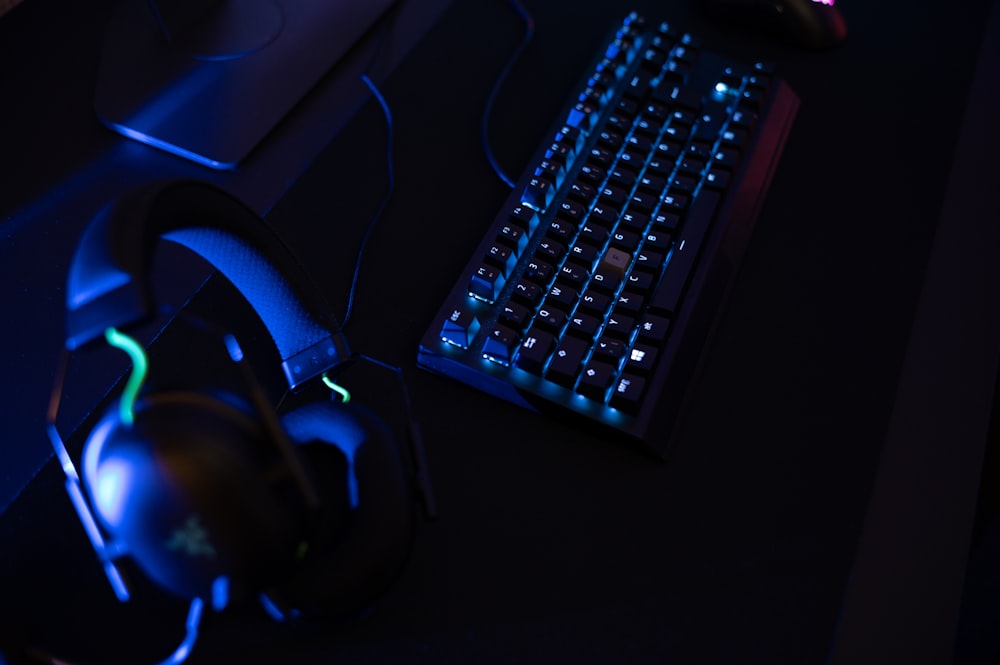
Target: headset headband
x=109 y=277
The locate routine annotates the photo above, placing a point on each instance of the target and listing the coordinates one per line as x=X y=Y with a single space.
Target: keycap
x=459 y=328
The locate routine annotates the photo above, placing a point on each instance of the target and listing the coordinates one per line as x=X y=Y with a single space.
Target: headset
x=214 y=493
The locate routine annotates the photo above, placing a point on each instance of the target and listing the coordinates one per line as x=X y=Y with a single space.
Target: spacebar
x=668 y=294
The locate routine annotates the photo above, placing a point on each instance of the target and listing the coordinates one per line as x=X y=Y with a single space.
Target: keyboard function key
x=538 y=193
x=523 y=217
x=485 y=283
x=513 y=236
x=500 y=255
x=583 y=116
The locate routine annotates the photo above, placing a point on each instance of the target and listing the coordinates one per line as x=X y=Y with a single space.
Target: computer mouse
x=812 y=24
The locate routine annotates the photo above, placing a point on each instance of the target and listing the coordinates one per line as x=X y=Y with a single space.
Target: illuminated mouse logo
x=191 y=539
x=828 y=3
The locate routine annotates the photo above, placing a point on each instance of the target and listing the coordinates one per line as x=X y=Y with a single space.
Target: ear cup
x=365 y=530
x=196 y=492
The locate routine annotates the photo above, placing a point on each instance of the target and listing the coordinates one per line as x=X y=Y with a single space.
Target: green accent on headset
x=140 y=365
x=345 y=396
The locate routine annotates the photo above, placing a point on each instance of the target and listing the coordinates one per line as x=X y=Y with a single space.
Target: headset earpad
x=366 y=525
x=198 y=493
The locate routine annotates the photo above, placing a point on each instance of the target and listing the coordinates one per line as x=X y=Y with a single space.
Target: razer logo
x=191 y=539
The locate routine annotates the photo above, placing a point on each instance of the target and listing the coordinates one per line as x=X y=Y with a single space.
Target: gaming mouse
x=813 y=24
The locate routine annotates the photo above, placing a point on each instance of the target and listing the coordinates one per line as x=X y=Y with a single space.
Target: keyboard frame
x=654 y=426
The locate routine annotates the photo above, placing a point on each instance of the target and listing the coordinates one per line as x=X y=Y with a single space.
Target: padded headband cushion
x=109 y=277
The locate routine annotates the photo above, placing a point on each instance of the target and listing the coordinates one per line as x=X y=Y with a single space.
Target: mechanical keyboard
x=595 y=289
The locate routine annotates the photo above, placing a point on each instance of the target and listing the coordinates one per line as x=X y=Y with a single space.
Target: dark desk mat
x=554 y=545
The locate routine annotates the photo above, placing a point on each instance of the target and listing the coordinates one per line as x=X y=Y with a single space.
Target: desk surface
x=552 y=544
